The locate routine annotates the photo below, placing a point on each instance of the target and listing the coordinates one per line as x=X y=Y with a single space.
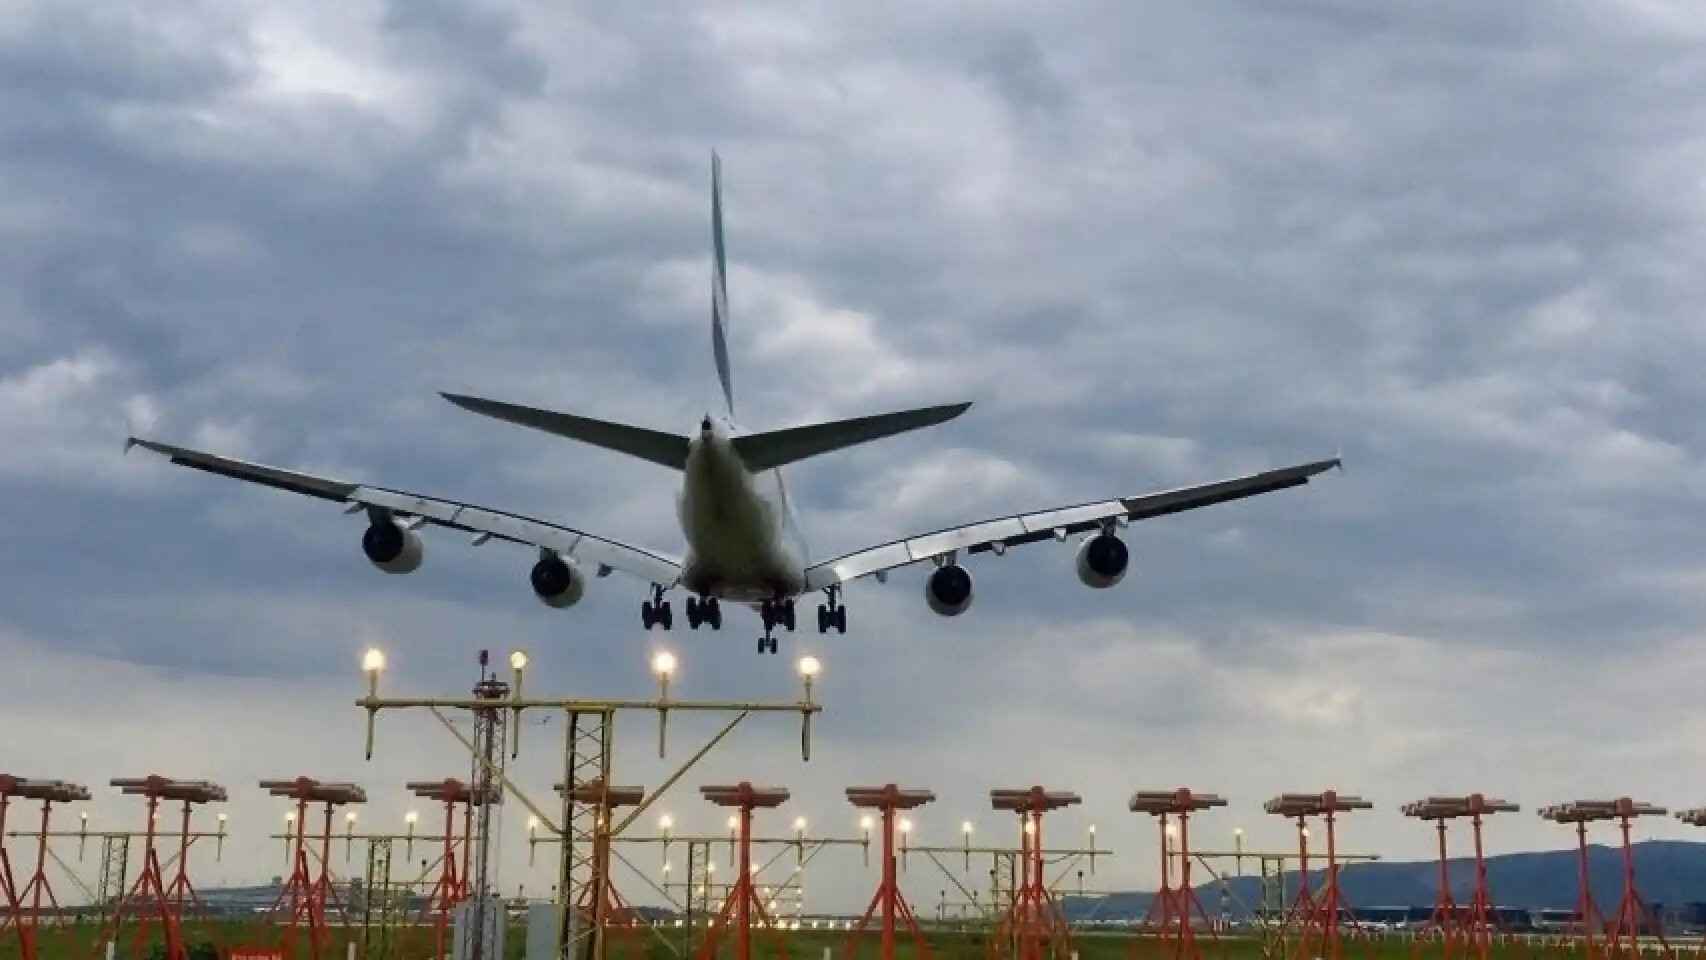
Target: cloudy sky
x=1461 y=244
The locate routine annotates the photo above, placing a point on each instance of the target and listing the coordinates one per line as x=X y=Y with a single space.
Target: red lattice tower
x=151 y=899
x=1633 y=914
x=452 y=885
x=1472 y=929
x=1178 y=936
x=1319 y=915
x=1032 y=925
x=600 y=903
x=888 y=799
x=743 y=899
x=23 y=906
x=302 y=901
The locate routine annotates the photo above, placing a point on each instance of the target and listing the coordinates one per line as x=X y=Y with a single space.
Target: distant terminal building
x=241 y=901
x=1511 y=919
x=259 y=899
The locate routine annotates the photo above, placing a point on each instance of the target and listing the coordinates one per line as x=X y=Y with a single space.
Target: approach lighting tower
x=23 y=905
x=151 y=898
x=1177 y=936
x=600 y=904
x=887 y=800
x=1320 y=917
x=1634 y=918
x=1032 y=927
x=452 y=885
x=1474 y=930
x=744 y=798
x=302 y=900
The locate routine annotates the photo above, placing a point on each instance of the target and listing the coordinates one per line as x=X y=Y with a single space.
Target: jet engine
x=392 y=548
x=949 y=590
x=557 y=582
x=1102 y=560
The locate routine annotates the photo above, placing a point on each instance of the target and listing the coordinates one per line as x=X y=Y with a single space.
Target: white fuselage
x=741 y=541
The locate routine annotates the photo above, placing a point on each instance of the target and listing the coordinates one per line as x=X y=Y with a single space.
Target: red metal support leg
x=1587 y=912
x=1443 y=921
x=888 y=899
x=8 y=887
x=1481 y=920
x=743 y=899
x=38 y=887
x=1186 y=947
x=1633 y=917
x=1302 y=910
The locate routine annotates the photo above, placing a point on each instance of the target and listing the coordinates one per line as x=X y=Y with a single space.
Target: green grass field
x=208 y=940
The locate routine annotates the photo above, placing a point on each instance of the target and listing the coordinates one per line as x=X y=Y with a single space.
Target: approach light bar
x=596 y=793
x=165 y=788
x=889 y=796
x=744 y=794
x=452 y=790
x=1182 y=800
x=1446 y=808
x=1032 y=799
x=1315 y=804
x=315 y=791
x=1584 y=811
x=53 y=791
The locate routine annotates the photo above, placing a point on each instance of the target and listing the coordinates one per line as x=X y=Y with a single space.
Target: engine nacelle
x=1102 y=560
x=557 y=582
x=949 y=590
x=392 y=548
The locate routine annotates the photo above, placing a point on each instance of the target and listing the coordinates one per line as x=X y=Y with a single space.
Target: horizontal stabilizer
x=667 y=449
x=763 y=451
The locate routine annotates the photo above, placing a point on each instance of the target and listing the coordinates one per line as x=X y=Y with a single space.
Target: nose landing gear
x=774 y=613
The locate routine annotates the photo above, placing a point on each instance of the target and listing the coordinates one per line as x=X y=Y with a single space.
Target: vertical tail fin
x=719 y=286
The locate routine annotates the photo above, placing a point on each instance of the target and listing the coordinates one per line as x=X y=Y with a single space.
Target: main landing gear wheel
x=656 y=612
x=704 y=610
x=832 y=614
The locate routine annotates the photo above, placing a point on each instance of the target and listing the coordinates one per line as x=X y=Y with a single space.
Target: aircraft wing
x=601 y=553
x=1003 y=532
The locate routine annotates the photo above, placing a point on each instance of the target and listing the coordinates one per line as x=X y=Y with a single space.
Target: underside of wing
x=394 y=515
x=1057 y=524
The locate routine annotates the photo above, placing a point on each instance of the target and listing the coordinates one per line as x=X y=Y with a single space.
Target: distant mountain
x=1668 y=872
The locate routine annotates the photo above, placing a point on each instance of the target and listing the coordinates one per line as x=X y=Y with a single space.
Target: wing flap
x=1048 y=521
x=962 y=538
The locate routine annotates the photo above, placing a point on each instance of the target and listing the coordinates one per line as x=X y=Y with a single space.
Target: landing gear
x=656 y=612
x=704 y=610
x=832 y=614
x=774 y=613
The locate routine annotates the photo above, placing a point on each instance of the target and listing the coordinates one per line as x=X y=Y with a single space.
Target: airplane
x=743 y=542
